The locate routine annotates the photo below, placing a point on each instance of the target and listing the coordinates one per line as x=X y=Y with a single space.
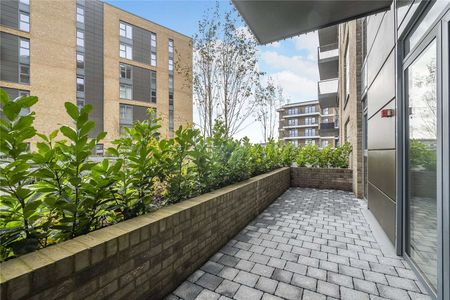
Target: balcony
x=328 y=35
x=328 y=61
x=328 y=129
x=327 y=91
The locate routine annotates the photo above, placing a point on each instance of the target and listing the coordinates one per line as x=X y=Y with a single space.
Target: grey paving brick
x=328 y=265
x=406 y=273
x=282 y=275
x=304 y=282
x=259 y=258
x=257 y=249
x=375 y=277
x=207 y=295
x=339 y=259
x=317 y=273
x=228 y=273
x=309 y=295
x=403 y=283
x=392 y=292
x=244 y=265
x=273 y=252
x=243 y=254
x=246 y=278
x=209 y=281
x=301 y=251
x=418 y=296
x=212 y=267
x=319 y=254
x=350 y=271
x=230 y=261
x=350 y=294
x=365 y=286
x=195 y=276
x=295 y=267
x=188 y=290
x=277 y=262
x=329 y=289
x=269 y=244
x=340 y=279
x=360 y=264
x=266 y=285
x=262 y=270
x=379 y=268
x=247 y=293
x=288 y=291
x=270 y=297
x=228 y=288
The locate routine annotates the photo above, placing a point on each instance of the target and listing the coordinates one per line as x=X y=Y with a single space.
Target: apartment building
x=90 y=52
x=306 y=122
x=393 y=82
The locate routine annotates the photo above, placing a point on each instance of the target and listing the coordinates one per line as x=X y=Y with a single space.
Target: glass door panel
x=422 y=235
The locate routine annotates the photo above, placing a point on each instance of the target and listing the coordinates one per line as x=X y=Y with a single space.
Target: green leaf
x=69 y=132
x=72 y=110
x=27 y=101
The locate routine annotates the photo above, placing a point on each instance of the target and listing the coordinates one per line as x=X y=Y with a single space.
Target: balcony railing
x=327 y=91
x=330 y=51
x=328 y=129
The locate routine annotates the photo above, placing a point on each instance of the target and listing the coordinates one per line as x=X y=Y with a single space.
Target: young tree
x=224 y=71
x=268 y=98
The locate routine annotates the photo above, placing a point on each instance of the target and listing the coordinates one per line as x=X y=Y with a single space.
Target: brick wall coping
x=82 y=251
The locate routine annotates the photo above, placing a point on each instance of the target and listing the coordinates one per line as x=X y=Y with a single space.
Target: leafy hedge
x=57 y=192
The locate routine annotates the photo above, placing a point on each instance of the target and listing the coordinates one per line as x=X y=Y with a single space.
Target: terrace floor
x=309 y=244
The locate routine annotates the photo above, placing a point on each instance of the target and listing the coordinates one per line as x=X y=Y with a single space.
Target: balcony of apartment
x=328 y=61
x=300 y=113
x=328 y=129
x=327 y=92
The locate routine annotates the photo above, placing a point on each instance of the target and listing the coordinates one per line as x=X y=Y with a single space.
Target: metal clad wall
x=139 y=113
x=94 y=61
x=9 y=56
x=141 y=45
x=381 y=131
x=141 y=84
x=9 y=13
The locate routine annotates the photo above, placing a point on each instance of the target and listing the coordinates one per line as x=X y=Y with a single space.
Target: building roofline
x=301 y=103
x=145 y=19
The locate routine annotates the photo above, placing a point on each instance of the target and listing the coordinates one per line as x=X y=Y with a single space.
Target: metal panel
x=373 y=23
x=9 y=13
x=139 y=113
x=9 y=57
x=141 y=84
x=382 y=89
x=381 y=131
x=328 y=35
x=141 y=45
x=93 y=36
x=381 y=171
x=383 y=44
x=383 y=208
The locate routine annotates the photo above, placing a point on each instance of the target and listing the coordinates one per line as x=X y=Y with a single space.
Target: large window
x=80 y=38
x=80 y=61
x=80 y=14
x=126 y=117
x=325 y=111
x=310 y=132
x=293 y=133
x=126 y=51
x=347 y=73
x=310 y=121
x=310 y=109
x=324 y=143
x=153 y=49
x=80 y=84
x=126 y=91
x=126 y=30
x=24 y=50
x=153 y=86
x=24 y=61
x=293 y=111
x=125 y=71
x=24 y=23
x=292 y=122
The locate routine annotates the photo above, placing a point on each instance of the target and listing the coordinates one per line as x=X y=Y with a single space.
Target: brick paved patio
x=309 y=244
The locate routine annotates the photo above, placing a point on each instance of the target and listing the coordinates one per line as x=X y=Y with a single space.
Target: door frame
x=439 y=30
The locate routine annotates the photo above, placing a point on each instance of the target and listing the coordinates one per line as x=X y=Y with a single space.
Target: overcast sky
x=292 y=62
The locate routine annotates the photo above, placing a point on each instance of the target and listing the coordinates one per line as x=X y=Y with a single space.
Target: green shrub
x=57 y=192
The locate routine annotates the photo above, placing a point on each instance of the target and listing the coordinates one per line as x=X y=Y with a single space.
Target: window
x=293 y=133
x=325 y=120
x=294 y=143
x=170 y=64
x=325 y=111
x=126 y=51
x=153 y=49
x=24 y=23
x=99 y=150
x=171 y=121
x=324 y=143
x=80 y=61
x=80 y=38
x=292 y=111
x=80 y=84
x=24 y=50
x=310 y=109
x=310 y=121
x=153 y=86
x=171 y=46
x=24 y=73
x=125 y=71
x=126 y=92
x=26 y=2
x=310 y=142
x=80 y=14
x=310 y=132
x=292 y=122
x=80 y=103
x=126 y=30
x=126 y=117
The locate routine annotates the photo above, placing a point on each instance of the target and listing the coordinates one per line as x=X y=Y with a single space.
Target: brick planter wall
x=337 y=179
x=145 y=257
